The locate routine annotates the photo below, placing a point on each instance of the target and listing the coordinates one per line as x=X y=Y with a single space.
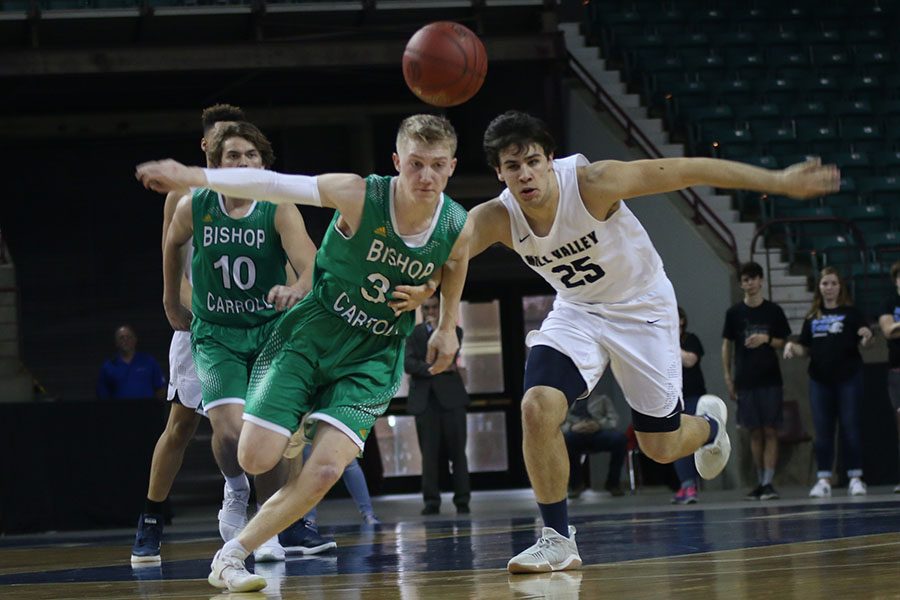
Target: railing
x=703 y=214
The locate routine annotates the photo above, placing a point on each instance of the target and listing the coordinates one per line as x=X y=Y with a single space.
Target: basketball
x=444 y=63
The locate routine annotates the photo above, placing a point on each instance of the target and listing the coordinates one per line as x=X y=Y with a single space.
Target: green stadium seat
x=864 y=138
x=781 y=90
x=830 y=58
x=887 y=163
x=875 y=61
x=776 y=140
x=811 y=113
x=868 y=218
x=820 y=140
x=757 y=115
x=852 y=164
x=883 y=189
x=882 y=241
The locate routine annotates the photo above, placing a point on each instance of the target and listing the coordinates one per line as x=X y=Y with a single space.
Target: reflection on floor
x=632 y=548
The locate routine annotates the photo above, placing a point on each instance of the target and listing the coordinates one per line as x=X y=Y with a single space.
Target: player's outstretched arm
x=443 y=344
x=343 y=191
x=604 y=183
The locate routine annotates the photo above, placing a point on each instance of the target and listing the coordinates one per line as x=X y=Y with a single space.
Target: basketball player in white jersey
x=614 y=306
x=186 y=408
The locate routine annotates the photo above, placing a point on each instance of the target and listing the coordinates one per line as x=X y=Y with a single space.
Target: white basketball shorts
x=637 y=338
x=182 y=374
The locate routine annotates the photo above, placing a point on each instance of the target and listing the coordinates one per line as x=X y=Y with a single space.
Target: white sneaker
x=897 y=489
x=712 y=458
x=233 y=516
x=822 y=489
x=552 y=552
x=228 y=571
x=270 y=551
x=856 y=487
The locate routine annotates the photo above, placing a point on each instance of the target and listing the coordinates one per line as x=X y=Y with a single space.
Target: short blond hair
x=429 y=129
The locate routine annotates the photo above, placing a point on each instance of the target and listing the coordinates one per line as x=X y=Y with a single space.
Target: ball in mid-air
x=444 y=63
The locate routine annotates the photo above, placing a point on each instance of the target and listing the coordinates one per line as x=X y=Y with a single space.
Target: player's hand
x=442 y=349
x=810 y=179
x=756 y=340
x=865 y=335
x=168 y=175
x=409 y=297
x=586 y=426
x=283 y=297
x=789 y=350
x=731 y=391
x=179 y=317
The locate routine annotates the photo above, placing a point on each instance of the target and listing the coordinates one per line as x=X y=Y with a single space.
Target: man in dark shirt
x=754 y=329
x=439 y=404
x=889 y=321
x=130 y=374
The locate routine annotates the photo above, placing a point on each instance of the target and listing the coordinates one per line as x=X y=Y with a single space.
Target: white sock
x=235 y=548
x=238 y=483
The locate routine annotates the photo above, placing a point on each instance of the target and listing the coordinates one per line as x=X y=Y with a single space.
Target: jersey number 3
x=579 y=272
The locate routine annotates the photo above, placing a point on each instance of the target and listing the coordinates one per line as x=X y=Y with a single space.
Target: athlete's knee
x=256 y=463
x=323 y=475
x=256 y=457
x=180 y=432
x=543 y=408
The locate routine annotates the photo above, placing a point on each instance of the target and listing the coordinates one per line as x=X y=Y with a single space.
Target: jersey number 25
x=579 y=272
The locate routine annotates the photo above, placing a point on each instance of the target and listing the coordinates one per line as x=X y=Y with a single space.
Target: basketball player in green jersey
x=185 y=410
x=240 y=248
x=337 y=357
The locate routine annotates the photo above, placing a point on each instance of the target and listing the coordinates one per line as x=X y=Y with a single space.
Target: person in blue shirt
x=130 y=374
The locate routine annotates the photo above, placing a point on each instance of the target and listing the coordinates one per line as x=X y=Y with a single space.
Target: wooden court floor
x=843 y=548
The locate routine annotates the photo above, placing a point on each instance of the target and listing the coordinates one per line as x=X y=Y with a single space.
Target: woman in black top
x=831 y=335
x=693 y=387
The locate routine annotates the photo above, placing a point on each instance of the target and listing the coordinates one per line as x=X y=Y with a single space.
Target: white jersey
x=585 y=260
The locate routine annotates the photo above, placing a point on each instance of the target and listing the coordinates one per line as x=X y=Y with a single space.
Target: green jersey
x=354 y=278
x=236 y=262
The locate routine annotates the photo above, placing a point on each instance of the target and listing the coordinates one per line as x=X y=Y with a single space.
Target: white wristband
x=260 y=184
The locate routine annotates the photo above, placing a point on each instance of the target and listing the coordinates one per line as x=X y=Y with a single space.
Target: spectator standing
x=439 y=404
x=754 y=329
x=130 y=374
x=832 y=333
x=889 y=321
x=693 y=386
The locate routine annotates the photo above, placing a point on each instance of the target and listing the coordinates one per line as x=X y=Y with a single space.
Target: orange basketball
x=444 y=63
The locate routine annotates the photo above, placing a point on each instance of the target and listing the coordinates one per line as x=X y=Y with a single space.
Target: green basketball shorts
x=224 y=357
x=316 y=366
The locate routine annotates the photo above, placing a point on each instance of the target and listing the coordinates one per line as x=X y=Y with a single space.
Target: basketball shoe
x=303 y=537
x=233 y=516
x=552 y=552
x=227 y=571
x=711 y=458
x=146 y=541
